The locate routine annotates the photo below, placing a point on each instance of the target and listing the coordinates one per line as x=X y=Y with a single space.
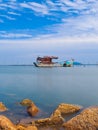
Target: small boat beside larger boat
x=46 y=61
x=68 y=63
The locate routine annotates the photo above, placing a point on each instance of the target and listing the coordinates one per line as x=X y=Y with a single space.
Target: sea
x=47 y=88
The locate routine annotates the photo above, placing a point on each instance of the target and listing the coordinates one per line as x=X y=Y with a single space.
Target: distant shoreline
x=19 y=65
x=33 y=65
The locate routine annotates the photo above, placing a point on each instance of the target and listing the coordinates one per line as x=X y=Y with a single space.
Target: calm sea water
x=47 y=87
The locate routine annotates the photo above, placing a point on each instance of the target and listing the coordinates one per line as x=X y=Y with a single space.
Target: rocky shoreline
x=86 y=119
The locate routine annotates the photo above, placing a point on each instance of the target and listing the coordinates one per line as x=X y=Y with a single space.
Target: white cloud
x=73 y=32
x=84 y=24
x=14 y=13
x=7 y=17
x=50 y=8
x=49 y=40
x=37 y=8
x=50 y=3
x=14 y=35
x=80 y=26
x=79 y=6
x=69 y=3
x=79 y=48
x=41 y=8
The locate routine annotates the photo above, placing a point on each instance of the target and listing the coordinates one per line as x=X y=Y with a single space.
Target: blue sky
x=64 y=28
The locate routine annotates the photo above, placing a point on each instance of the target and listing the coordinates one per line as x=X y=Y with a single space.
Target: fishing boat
x=68 y=63
x=47 y=61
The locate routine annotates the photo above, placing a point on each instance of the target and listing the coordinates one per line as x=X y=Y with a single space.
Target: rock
x=29 y=127
x=52 y=121
x=43 y=122
x=56 y=118
x=21 y=127
x=32 y=109
x=86 y=120
x=26 y=102
x=56 y=113
x=2 y=107
x=68 y=108
x=6 y=124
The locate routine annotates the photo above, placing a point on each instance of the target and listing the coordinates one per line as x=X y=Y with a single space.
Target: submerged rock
x=86 y=120
x=6 y=124
x=32 y=109
x=2 y=107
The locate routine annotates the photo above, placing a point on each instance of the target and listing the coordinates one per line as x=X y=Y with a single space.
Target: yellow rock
x=56 y=118
x=6 y=124
x=2 y=107
x=68 y=108
x=86 y=120
x=32 y=109
x=56 y=113
x=20 y=127
x=52 y=122
x=42 y=122
x=29 y=127
x=26 y=102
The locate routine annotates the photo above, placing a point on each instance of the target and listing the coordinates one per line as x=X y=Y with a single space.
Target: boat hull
x=52 y=65
x=47 y=65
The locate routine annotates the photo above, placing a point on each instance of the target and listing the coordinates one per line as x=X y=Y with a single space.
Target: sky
x=64 y=28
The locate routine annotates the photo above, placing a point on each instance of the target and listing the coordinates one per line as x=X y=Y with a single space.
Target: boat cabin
x=46 y=59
